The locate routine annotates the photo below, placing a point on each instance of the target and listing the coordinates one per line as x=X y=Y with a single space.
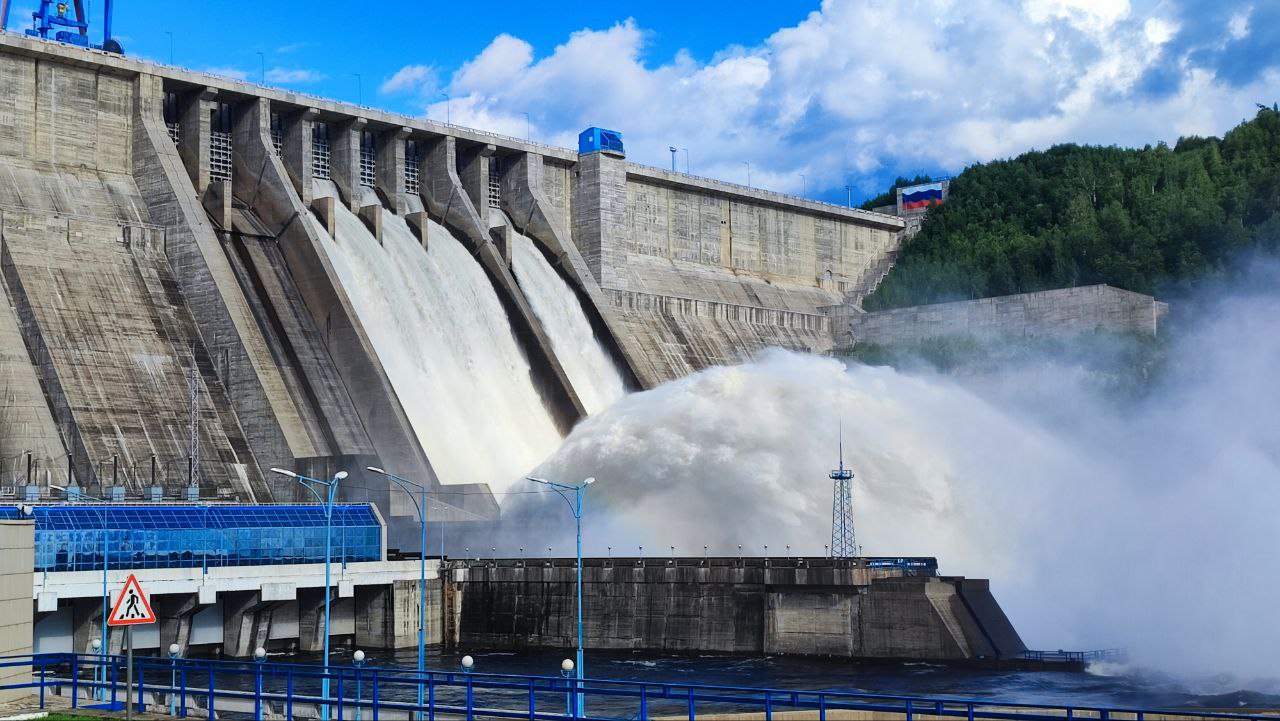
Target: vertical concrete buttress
x=599 y=211
x=443 y=193
x=344 y=159
x=226 y=324
x=390 y=169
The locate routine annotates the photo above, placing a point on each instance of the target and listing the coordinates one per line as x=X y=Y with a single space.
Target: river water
x=1104 y=685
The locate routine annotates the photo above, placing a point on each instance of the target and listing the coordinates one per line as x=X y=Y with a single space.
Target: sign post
x=132 y=607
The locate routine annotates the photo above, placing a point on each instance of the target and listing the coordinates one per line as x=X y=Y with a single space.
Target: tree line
x=1139 y=219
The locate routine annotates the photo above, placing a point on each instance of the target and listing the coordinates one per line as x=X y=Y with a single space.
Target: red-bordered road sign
x=132 y=606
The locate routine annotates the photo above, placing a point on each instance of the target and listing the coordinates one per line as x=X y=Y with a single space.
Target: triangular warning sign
x=132 y=606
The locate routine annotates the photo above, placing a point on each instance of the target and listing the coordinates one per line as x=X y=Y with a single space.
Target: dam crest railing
x=205 y=688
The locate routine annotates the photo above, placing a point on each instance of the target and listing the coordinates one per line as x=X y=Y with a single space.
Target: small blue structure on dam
x=599 y=140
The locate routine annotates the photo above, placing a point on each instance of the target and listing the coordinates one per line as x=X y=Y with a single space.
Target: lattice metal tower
x=843 y=542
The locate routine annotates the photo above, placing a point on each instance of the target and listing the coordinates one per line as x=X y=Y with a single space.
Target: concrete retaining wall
x=814 y=607
x=1063 y=313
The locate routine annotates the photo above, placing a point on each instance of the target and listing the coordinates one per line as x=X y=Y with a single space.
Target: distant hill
x=1073 y=215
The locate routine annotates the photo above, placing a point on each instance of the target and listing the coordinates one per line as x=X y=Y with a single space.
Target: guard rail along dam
x=205 y=279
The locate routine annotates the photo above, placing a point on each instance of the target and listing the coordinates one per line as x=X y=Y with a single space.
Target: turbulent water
x=590 y=370
x=1146 y=524
x=445 y=341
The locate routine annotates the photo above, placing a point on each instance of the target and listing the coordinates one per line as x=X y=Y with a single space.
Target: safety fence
x=231 y=689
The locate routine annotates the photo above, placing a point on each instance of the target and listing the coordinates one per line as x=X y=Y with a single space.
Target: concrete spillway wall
x=1062 y=313
x=815 y=607
x=186 y=196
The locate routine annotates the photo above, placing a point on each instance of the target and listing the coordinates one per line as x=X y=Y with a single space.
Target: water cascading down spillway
x=446 y=343
x=591 y=371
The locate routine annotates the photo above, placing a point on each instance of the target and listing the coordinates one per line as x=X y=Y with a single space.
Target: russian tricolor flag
x=921 y=196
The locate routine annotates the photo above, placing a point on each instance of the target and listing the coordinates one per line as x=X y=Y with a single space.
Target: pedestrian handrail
x=209 y=687
x=1104 y=654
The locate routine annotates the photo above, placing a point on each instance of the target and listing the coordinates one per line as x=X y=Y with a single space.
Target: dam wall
x=796 y=606
x=1053 y=313
x=702 y=272
x=161 y=225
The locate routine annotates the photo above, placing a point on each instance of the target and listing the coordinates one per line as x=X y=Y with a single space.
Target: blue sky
x=812 y=95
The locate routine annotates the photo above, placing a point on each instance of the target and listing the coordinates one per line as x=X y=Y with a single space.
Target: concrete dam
x=206 y=279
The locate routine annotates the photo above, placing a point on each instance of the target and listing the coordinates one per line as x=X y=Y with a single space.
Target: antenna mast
x=843 y=542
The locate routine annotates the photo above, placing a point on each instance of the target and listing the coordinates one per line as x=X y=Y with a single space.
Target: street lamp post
x=421 y=507
x=576 y=507
x=331 y=489
x=174 y=650
x=672 y=148
x=357 y=660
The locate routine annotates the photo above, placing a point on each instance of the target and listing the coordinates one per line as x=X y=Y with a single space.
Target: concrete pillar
x=239 y=622
x=193 y=138
x=390 y=171
x=174 y=612
x=296 y=150
x=419 y=224
x=503 y=237
x=344 y=159
x=311 y=619
x=442 y=191
x=599 y=211
x=217 y=202
x=473 y=171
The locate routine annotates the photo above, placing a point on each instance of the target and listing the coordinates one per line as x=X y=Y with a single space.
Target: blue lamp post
x=174 y=650
x=421 y=505
x=331 y=492
x=575 y=506
x=357 y=660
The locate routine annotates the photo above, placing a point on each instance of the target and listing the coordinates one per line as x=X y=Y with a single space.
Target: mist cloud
x=1148 y=523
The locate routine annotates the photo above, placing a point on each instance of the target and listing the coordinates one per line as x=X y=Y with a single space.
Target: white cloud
x=410 y=78
x=858 y=89
x=1238 y=25
x=293 y=75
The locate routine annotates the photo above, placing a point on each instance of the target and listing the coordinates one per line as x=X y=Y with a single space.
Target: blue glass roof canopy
x=74 y=537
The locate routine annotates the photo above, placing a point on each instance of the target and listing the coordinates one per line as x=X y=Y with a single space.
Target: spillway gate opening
x=320 y=151
x=368 y=159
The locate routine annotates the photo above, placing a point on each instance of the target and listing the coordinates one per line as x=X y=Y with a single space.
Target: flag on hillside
x=921 y=196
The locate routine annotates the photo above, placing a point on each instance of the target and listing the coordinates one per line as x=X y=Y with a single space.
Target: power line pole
x=843 y=542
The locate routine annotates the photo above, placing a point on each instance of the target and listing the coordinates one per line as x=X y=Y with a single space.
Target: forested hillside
x=1076 y=215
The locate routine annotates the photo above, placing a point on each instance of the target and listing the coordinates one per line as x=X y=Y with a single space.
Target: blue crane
x=55 y=17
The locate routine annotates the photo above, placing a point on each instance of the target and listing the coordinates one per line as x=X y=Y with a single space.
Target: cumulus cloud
x=417 y=79
x=293 y=75
x=861 y=90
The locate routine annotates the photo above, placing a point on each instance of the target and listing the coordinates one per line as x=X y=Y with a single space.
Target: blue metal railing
x=1104 y=654
x=208 y=688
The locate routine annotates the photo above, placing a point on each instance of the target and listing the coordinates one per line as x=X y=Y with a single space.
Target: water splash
x=1144 y=523
x=443 y=337
x=590 y=370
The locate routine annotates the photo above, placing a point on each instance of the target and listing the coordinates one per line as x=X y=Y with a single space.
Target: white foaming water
x=1142 y=524
x=590 y=370
x=445 y=341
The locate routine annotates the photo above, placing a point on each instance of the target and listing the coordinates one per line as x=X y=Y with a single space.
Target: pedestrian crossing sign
x=132 y=606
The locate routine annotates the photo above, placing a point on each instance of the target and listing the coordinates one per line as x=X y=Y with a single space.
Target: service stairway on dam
x=207 y=278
